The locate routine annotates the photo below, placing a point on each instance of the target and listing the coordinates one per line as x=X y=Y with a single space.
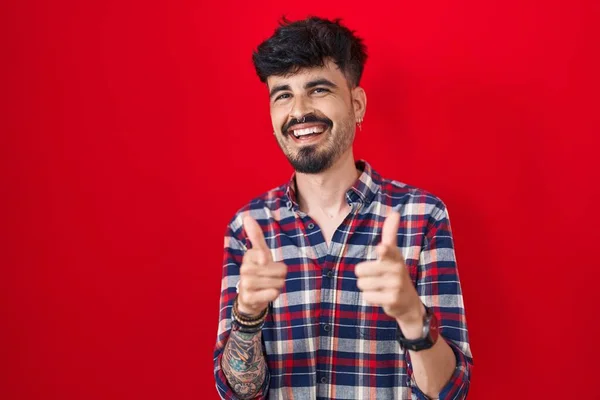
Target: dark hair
x=308 y=43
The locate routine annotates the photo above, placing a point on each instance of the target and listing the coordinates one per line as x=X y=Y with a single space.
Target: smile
x=313 y=130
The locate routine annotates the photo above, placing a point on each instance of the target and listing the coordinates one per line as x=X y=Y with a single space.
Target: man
x=339 y=284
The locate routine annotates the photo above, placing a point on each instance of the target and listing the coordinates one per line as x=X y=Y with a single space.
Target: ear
x=359 y=102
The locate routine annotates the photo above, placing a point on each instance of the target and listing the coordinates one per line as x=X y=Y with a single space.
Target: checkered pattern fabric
x=321 y=340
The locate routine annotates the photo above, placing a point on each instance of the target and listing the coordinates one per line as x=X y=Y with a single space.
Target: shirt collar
x=362 y=191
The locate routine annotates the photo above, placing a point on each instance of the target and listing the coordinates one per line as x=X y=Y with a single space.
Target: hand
x=261 y=279
x=387 y=283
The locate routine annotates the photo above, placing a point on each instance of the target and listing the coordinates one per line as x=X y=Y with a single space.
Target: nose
x=301 y=106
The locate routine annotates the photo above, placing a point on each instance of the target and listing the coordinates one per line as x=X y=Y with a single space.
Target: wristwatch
x=427 y=339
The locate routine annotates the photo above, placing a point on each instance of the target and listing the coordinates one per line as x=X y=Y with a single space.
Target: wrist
x=245 y=322
x=248 y=312
x=411 y=323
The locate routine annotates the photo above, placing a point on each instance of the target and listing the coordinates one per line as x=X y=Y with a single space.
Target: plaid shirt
x=321 y=340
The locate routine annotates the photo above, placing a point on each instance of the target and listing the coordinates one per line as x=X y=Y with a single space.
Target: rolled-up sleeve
x=233 y=253
x=439 y=288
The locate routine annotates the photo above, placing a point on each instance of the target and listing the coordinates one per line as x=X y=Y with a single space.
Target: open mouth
x=307 y=133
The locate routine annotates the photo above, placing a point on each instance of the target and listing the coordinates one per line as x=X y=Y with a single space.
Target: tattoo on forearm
x=244 y=363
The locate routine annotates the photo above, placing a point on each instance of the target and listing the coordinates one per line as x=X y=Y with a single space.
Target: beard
x=314 y=159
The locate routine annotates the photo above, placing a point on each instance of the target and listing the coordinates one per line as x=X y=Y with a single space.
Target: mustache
x=306 y=119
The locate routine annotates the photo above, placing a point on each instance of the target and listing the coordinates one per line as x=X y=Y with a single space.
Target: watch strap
x=428 y=338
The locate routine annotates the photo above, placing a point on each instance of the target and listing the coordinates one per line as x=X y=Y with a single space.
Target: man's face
x=313 y=116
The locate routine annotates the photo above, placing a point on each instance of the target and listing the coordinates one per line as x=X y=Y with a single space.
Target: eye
x=282 y=96
x=320 y=90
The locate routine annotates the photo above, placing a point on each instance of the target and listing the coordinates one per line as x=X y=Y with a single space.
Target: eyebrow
x=308 y=85
x=320 y=82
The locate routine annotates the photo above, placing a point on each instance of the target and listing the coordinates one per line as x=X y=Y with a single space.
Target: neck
x=326 y=192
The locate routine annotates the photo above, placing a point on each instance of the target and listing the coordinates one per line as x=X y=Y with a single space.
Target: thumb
x=255 y=234
x=389 y=233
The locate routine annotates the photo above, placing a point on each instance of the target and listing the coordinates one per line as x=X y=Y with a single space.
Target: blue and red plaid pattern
x=321 y=340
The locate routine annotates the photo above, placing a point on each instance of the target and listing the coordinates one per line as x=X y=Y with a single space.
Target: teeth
x=308 y=131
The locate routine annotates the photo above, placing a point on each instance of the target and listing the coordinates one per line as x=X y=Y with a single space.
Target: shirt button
x=289 y=204
x=326 y=327
x=323 y=379
x=329 y=273
x=311 y=225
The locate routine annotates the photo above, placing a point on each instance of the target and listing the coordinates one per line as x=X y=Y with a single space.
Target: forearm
x=431 y=368
x=243 y=363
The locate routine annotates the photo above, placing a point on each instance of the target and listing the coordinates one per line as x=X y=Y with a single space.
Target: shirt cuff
x=458 y=385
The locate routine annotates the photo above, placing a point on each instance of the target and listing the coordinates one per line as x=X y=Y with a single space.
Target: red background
x=131 y=133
